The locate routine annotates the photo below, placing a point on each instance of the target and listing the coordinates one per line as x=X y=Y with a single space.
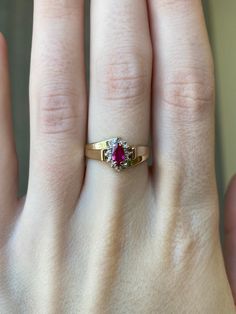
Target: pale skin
x=86 y=239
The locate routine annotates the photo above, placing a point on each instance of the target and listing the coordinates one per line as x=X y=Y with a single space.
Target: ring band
x=117 y=152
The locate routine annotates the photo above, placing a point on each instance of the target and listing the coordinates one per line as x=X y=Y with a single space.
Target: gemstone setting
x=118 y=154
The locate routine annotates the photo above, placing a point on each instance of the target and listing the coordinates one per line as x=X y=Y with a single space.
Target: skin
x=230 y=235
x=86 y=239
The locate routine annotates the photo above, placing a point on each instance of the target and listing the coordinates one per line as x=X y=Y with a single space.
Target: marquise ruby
x=118 y=154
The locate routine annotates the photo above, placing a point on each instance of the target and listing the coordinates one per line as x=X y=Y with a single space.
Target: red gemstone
x=118 y=154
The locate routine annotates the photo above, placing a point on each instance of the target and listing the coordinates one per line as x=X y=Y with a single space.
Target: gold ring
x=117 y=152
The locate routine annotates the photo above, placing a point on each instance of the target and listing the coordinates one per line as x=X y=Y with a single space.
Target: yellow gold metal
x=97 y=151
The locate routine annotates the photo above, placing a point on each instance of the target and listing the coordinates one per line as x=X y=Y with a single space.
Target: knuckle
x=58 y=114
x=63 y=168
x=125 y=77
x=186 y=241
x=189 y=91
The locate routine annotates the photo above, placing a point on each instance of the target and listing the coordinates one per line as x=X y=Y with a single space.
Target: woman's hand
x=87 y=239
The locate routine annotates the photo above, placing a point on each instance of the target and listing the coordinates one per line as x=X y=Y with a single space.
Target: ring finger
x=120 y=74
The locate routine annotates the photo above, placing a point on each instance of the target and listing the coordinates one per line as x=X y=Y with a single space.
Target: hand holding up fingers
x=89 y=239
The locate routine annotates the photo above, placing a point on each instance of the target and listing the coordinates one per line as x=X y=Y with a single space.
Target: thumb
x=230 y=235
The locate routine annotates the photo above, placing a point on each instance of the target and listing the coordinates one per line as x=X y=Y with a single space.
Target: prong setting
x=118 y=154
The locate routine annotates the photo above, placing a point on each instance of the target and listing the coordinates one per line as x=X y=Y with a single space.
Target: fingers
x=183 y=98
x=8 y=163
x=121 y=60
x=58 y=100
x=230 y=235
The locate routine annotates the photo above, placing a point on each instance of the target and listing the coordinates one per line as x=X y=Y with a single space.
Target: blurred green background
x=16 y=24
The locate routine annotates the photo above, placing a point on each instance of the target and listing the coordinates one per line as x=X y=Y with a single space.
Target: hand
x=87 y=239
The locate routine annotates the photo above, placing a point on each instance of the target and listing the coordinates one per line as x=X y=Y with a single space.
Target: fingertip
x=3 y=42
x=230 y=234
x=230 y=205
x=231 y=190
x=3 y=50
x=233 y=181
x=2 y=38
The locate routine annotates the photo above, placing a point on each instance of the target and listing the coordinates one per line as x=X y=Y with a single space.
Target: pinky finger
x=8 y=161
x=230 y=235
